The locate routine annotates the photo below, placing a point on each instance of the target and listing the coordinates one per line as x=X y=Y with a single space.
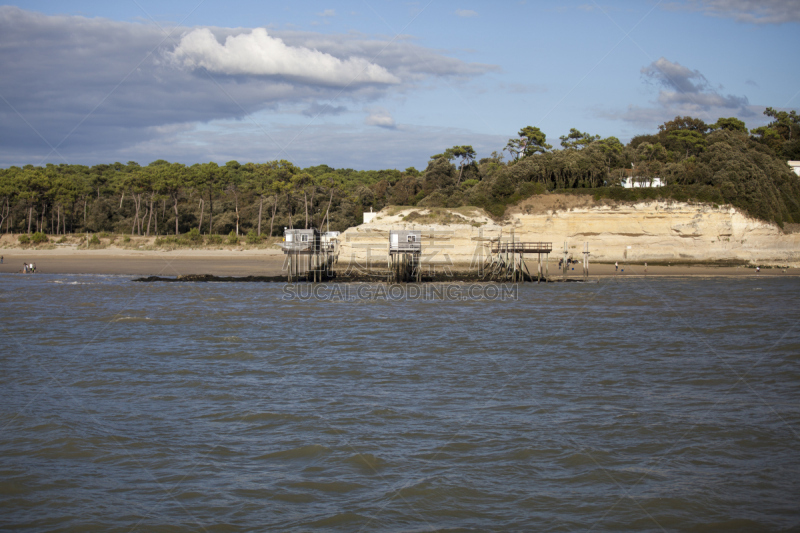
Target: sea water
x=651 y=404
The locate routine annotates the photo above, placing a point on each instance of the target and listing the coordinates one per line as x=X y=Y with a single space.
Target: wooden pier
x=506 y=261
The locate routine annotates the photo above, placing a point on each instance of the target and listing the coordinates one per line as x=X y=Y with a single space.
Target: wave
x=310 y=451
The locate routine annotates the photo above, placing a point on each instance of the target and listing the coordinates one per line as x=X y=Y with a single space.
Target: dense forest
x=721 y=163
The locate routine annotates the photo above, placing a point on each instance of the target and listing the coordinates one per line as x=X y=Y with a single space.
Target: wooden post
x=513 y=258
x=585 y=261
x=539 y=269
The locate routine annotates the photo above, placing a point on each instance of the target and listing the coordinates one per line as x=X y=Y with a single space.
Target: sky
x=374 y=84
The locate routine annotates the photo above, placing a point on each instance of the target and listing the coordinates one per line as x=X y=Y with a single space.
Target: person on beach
x=645 y=268
x=616 y=266
x=24 y=268
x=758 y=269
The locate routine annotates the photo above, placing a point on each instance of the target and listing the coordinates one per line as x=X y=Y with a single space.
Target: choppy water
x=659 y=404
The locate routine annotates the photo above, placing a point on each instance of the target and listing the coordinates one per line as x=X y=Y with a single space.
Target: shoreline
x=241 y=263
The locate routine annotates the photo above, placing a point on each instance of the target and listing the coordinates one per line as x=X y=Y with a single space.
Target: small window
x=303 y=238
x=412 y=238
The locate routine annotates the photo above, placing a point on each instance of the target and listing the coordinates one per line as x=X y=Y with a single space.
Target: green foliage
x=253 y=237
x=576 y=139
x=24 y=239
x=39 y=238
x=782 y=134
x=191 y=238
x=194 y=236
x=731 y=124
x=531 y=141
x=684 y=123
x=232 y=238
x=529 y=189
x=692 y=142
x=94 y=241
x=214 y=239
x=502 y=186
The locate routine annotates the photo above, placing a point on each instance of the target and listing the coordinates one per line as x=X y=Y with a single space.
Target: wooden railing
x=522 y=247
x=404 y=247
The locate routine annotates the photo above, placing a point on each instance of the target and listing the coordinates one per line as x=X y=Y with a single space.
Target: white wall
x=630 y=183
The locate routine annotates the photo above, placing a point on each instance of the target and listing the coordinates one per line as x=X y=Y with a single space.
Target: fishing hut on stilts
x=310 y=256
x=506 y=261
x=405 y=252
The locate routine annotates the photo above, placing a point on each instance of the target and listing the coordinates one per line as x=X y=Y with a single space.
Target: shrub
x=530 y=188
x=24 y=239
x=502 y=186
x=39 y=238
x=194 y=236
x=253 y=237
x=215 y=239
x=233 y=238
x=166 y=240
x=94 y=241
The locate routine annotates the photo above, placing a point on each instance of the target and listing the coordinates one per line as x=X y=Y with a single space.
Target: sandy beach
x=255 y=262
x=146 y=263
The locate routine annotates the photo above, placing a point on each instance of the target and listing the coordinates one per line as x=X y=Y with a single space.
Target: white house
x=795 y=166
x=632 y=182
x=369 y=217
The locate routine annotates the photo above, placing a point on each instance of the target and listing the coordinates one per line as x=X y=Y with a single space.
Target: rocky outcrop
x=652 y=231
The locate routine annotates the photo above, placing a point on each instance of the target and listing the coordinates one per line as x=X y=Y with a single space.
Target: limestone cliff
x=652 y=231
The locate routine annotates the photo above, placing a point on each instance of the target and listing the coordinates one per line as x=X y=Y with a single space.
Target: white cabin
x=635 y=182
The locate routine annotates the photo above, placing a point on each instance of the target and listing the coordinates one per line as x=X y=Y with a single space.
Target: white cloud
x=751 y=11
x=258 y=54
x=466 y=13
x=380 y=117
x=71 y=79
x=404 y=59
x=327 y=13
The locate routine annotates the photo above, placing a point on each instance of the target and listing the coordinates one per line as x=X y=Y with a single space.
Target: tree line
x=723 y=163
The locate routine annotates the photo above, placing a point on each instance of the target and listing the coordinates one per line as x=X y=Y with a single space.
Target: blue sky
x=374 y=84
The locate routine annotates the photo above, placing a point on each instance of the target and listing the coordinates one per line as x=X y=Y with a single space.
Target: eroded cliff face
x=652 y=231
